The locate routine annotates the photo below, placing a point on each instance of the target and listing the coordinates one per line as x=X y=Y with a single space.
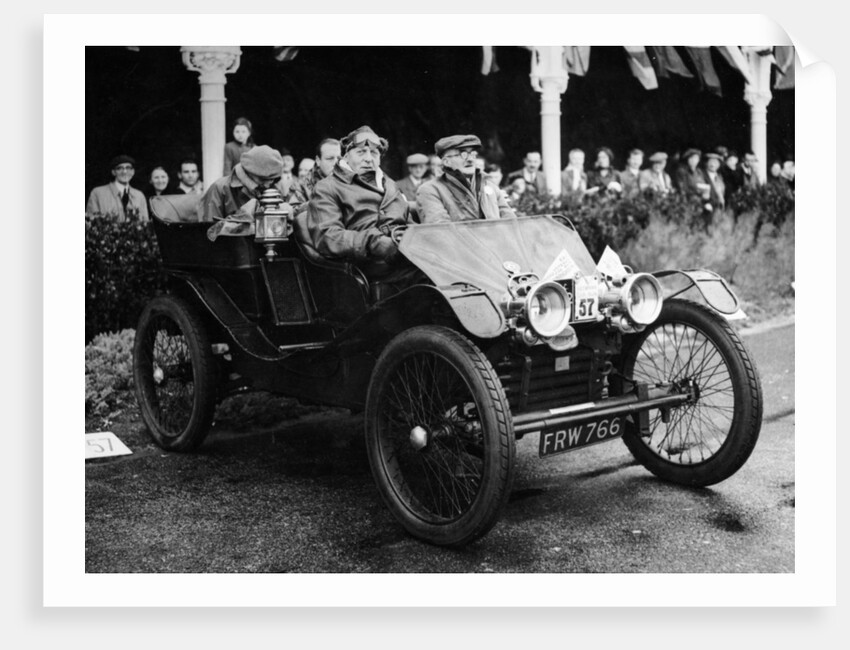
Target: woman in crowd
x=243 y=140
x=158 y=183
x=603 y=176
x=690 y=179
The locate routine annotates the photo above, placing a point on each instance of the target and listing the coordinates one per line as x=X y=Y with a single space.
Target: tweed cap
x=262 y=162
x=658 y=156
x=121 y=160
x=691 y=152
x=417 y=159
x=364 y=134
x=716 y=156
x=456 y=142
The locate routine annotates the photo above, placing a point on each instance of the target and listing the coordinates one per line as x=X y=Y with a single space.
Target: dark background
x=145 y=103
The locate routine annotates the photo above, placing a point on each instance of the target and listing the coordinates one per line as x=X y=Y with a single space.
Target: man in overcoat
x=232 y=199
x=655 y=179
x=463 y=192
x=353 y=211
x=118 y=200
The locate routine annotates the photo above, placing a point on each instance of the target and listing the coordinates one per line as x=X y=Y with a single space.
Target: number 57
x=99 y=447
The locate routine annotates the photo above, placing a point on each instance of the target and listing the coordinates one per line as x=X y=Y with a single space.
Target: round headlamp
x=547 y=308
x=641 y=296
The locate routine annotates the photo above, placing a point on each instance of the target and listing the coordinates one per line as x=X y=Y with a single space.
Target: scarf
x=373 y=177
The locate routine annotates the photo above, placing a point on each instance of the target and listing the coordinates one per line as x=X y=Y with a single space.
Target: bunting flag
x=577 y=58
x=708 y=79
x=285 y=52
x=784 y=55
x=736 y=59
x=641 y=67
x=488 y=62
x=667 y=61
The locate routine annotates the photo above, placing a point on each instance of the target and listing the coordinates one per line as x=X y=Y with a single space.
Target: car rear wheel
x=174 y=374
x=439 y=436
x=708 y=439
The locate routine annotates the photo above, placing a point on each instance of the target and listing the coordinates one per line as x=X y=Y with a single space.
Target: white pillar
x=213 y=63
x=758 y=96
x=549 y=77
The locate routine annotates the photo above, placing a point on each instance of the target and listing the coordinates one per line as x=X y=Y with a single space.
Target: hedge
x=123 y=271
x=604 y=220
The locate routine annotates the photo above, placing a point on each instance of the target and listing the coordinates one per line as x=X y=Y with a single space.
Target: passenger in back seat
x=227 y=199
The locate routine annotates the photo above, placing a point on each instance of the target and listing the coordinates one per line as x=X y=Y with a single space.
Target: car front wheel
x=710 y=437
x=439 y=436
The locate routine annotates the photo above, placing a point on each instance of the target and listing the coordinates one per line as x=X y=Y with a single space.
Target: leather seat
x=302 y=237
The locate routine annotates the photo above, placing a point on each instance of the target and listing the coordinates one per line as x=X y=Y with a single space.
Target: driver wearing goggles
x=353 y=211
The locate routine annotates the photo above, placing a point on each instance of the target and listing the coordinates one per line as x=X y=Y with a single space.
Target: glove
x=385 y=249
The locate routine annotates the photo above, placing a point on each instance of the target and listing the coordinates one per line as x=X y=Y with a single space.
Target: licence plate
x=561 y=439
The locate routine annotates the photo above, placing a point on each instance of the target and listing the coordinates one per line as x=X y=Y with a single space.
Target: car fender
x=703 y=286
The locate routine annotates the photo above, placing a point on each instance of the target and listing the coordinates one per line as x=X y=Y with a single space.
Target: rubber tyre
x=452 y=491
x=174 y=371
x=708 y=441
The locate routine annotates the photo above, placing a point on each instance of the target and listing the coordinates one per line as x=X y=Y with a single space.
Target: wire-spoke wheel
x=174 y=374
x=439 y=436
x=709 y=438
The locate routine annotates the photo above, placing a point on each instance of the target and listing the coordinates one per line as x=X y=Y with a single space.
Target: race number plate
x=559 y=440
x=103 y=444
x=587 y=299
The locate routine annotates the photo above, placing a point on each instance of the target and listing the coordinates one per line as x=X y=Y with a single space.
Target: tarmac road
x=302 y=499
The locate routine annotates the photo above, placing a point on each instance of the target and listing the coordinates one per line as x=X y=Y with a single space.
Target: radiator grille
x=531 y=381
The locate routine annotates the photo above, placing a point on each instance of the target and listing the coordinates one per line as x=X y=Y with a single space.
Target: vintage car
x=516 y=332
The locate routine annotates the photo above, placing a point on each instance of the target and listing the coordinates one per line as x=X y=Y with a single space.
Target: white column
x=213 y=63
x=758 y=96
x=549 y=77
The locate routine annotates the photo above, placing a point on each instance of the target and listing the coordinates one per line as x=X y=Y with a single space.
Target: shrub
x=123 y=271
x=772 y=202
x=109 y=374
x=604 y=220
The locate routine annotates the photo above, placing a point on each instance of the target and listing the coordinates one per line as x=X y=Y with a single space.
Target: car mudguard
x=703 y=286
x=473 y=309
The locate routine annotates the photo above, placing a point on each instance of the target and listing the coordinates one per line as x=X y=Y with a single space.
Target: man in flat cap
x=417 y=165
x=463 y=192
x=354 y=210
x=118 y=200
x=233 y=197
x=655 y=179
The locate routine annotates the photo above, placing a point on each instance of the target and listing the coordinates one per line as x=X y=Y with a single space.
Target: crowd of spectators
x=711 y=177
x=708 y=177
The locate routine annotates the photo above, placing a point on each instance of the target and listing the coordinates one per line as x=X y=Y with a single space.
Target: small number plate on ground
x=567 y=438
x=104 y=443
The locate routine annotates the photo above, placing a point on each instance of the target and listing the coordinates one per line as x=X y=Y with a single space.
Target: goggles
x=365 y=138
